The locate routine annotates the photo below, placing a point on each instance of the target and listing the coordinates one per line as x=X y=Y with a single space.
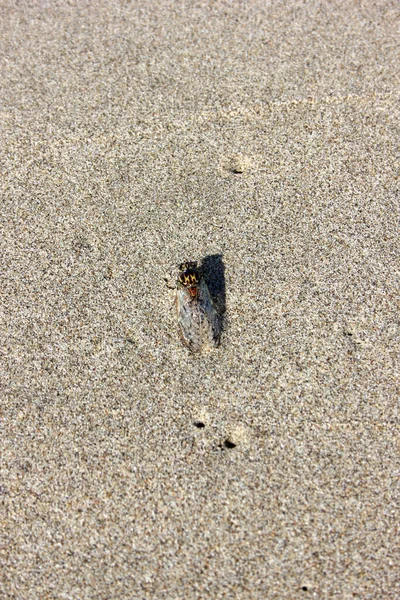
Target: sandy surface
x=263 y=138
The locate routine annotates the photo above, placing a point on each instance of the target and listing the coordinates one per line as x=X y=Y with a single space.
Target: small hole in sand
x=304 y=588
x=199 y=424
x=229 y=444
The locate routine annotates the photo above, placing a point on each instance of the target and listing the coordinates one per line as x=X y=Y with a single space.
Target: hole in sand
x=229 y=444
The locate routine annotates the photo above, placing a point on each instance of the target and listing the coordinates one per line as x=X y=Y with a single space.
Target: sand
x=260 y=138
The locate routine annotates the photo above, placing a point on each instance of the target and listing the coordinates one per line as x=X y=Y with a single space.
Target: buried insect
x=198 y=319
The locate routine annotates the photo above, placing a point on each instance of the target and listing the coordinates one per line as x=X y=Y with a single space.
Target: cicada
x=198 y=319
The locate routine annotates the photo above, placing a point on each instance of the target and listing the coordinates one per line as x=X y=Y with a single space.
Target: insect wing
x=190 y=319
x=210 y=321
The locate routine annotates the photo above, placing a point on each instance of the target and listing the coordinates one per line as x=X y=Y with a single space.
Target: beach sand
x=260 y=138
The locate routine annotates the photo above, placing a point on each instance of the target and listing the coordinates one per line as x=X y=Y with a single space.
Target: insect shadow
x=213 y=269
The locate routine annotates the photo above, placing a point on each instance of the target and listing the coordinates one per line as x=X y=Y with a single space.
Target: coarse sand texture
x=259 y=139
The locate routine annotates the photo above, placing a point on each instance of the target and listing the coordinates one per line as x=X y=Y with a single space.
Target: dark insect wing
x=210 y=318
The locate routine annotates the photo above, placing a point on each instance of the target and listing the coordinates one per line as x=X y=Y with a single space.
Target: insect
x=198 y=319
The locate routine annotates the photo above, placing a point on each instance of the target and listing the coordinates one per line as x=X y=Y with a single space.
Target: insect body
x=198 y=319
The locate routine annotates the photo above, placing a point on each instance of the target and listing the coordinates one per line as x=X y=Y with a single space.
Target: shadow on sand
x=214 y=274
